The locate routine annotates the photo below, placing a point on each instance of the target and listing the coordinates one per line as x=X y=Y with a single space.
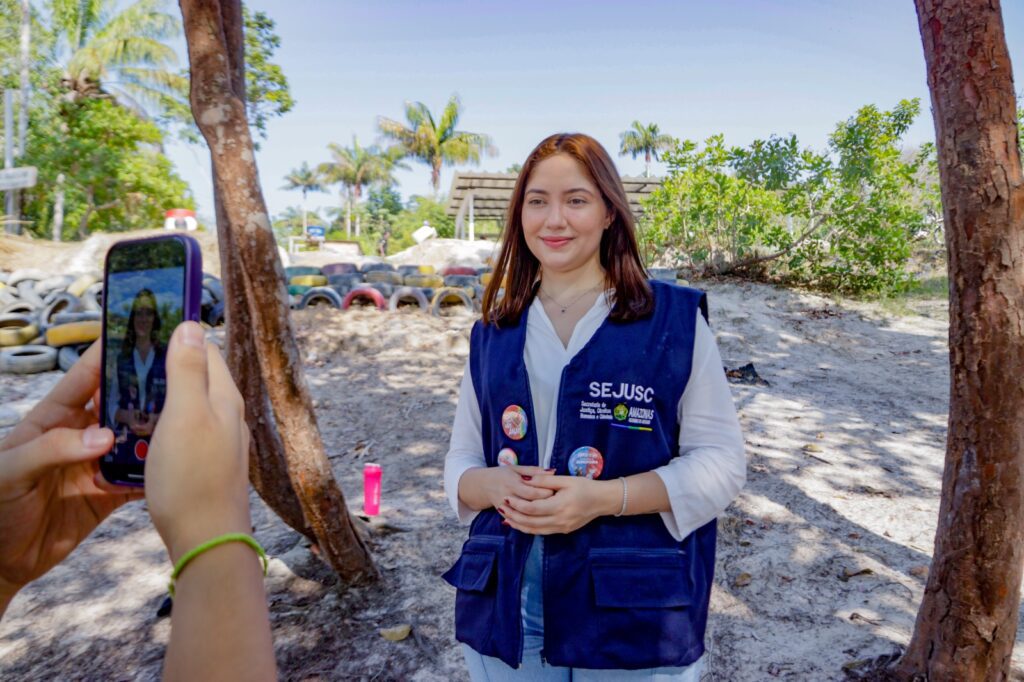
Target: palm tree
x=122 y=54
x=646 y=140
x=288 y=222
x=439 y=143
x=356 y=167
x=306 y=180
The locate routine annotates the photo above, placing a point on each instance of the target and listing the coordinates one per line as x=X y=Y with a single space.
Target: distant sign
x=180 y=219
x=316 y=231
x=17 y=178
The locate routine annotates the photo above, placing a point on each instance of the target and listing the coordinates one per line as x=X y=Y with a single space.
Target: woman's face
x=144 y=316
x=564 y=215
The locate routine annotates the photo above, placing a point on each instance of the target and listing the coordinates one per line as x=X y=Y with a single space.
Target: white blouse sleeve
x=465 y=450
x=711 y=467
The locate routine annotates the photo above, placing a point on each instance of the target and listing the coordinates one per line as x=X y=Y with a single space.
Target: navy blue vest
x=619 y=593
x=156 y=381
x=128 y=385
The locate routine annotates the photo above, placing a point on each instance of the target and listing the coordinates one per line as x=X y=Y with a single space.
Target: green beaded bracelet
x=210 y=544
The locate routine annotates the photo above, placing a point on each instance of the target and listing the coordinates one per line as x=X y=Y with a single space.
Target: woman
x=141 y=377
x=585 y=367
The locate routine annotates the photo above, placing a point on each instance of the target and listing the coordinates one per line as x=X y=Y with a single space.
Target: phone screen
x=144 y=300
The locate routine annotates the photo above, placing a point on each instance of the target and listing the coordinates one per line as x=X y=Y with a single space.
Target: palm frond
x=449 y=118
x=397 y=131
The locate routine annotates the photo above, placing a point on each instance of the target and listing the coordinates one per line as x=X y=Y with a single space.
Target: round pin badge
x=507 y=457
x=141 y=450
x=586 y=461
x=513 y=422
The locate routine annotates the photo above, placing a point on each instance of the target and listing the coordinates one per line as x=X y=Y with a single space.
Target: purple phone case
x=190 y=310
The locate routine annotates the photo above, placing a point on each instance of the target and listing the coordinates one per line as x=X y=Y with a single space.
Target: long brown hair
x=144 y=296
x=517 y=267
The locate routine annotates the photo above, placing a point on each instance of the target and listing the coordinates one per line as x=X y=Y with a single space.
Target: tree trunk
x=83 y=222
x=213 y=32
x=967 y=622
x=647 y=163
x=305 y=224
x=26 y=12
x=58 y=208
x=268 y=467
x=348 y=215
x=357 y=192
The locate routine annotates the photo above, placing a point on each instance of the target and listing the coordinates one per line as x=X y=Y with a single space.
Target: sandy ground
x=821 y=560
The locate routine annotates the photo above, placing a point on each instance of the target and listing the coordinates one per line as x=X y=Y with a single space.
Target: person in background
x=140 y=381
x=595 y=442
x=52 y=497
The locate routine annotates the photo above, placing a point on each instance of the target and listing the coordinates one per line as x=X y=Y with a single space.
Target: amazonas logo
x=621 y=412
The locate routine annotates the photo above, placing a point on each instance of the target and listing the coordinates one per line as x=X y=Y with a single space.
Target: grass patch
x=920 y=291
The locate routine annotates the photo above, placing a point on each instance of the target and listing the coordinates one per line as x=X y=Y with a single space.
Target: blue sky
x=525 y=69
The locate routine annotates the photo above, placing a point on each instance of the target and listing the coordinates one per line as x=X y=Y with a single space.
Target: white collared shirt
x=142 y=372
x=701 y=482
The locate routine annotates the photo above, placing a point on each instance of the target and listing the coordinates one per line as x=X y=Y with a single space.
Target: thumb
x=56 y=447
x=187 y=374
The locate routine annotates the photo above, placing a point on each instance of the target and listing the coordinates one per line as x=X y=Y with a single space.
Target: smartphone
x=149 y=287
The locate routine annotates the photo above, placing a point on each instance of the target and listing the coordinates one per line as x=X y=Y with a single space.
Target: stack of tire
x=386 y=287
x=47 y=321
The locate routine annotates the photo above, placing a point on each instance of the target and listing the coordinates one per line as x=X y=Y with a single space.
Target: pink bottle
x=371 y=489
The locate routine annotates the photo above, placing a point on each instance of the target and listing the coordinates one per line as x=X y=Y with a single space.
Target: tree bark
x=268 y=468
x=967 y=622
x=213 y=32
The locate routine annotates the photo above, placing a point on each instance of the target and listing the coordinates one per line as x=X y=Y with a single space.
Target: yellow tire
x=309 y=280
x=427 y=269
x=450 y=295
x=78 y=287
x=486 y=278
x=423 y=281
x=73 y=333
x=18 y=334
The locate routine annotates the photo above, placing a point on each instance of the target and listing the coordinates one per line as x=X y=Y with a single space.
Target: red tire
x=365 y=292
x=458 y=270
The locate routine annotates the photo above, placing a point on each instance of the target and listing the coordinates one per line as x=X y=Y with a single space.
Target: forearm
x=644 y=494
x=472 y=488
x=219 y=625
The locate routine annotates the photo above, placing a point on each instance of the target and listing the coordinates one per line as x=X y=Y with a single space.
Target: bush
x=842 y=220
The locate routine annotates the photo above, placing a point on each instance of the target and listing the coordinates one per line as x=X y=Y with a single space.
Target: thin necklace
x=568 y=305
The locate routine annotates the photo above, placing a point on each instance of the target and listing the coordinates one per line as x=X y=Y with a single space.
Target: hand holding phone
x=150 y=286
x=197 y=483
x=197 y=488
x=51 y=496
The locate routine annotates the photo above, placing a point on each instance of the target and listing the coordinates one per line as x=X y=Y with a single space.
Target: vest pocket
x=627 y=578
x=474 y=571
